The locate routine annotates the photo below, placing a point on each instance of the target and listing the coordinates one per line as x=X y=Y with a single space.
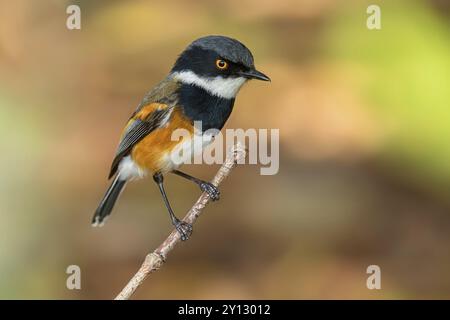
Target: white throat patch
x=218 y=86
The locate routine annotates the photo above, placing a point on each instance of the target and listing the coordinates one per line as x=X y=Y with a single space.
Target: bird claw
x=211 y=190
x=184 y=229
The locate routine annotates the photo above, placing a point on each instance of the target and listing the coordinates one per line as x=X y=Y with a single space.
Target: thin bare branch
x=154 y=260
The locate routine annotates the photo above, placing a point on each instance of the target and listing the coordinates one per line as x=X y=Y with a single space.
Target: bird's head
x=218 y=64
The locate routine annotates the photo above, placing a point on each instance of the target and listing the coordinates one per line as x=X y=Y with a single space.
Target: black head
x=218 y=57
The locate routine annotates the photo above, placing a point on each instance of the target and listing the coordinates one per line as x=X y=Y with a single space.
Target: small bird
x=201 y=86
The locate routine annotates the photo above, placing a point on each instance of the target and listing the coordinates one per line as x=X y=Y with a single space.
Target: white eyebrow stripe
x=222 y=87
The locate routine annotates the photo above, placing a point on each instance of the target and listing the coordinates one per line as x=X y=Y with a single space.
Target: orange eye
x=221 y=64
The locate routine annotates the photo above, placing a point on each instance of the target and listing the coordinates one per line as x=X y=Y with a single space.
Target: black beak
x=254 y=74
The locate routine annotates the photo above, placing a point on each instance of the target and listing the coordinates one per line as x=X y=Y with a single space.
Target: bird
x=201 y=86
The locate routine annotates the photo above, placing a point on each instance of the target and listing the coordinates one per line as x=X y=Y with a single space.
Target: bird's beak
x=254 y=74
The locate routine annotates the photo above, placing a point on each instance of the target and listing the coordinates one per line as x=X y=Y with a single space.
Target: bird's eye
x=221 y=64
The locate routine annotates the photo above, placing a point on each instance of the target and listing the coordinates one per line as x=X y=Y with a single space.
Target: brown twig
x=153 y=261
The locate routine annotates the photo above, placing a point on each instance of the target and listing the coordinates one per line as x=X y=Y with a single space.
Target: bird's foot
x=184 y=229
x=211 y=190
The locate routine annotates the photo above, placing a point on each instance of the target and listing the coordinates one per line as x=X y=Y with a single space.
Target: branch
x=153 y=261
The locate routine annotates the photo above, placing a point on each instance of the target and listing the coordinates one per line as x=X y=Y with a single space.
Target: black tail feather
x=108 y=201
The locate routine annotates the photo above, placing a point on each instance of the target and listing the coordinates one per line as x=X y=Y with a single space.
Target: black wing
x=136 y=131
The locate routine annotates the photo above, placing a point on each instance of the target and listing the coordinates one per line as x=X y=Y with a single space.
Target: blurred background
x=365 y=151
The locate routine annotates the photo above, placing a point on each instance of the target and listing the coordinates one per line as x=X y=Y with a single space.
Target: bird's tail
x=108 y=201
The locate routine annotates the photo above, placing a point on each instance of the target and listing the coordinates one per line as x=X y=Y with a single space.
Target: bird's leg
x=205 y=186
x=184 y=228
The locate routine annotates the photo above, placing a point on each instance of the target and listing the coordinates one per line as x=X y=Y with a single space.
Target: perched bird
x=201 y=86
